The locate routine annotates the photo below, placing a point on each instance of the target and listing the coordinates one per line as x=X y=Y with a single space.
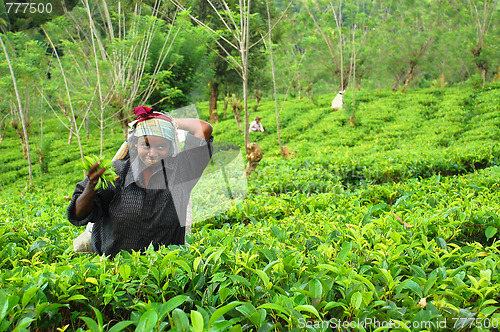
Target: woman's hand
x=85 y=202
x=94 y=175
x=197 y=128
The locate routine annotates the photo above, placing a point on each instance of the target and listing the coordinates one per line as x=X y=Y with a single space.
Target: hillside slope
x=394 y=221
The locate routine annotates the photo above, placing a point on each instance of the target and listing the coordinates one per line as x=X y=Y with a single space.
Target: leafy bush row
x=270 y=262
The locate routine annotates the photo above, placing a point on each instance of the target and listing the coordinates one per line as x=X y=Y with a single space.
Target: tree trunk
x=399 y=74
x=312 y=95
x=22 y=138
x=66 y=85
x=124 y=128
x=483 y=20
x=87 y=125
x=237 y=108
x=226 y=102
x=214 y=95
x=244 y=50
x=358 y=80
x=352 y=119
x=245 y=103
x=258 y=97
x=481 y=65
x=344 y=82
x=237 y=116
x=442 y=81
x=123 y=119
x=275 y=95
x=299 y=87
x=71 y=131
x=395 y=87
x=2 y=132
x=409 y=77
x=41 y=155
x=483 y=76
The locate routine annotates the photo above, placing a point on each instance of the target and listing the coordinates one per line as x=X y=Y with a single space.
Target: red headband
x=145 y=113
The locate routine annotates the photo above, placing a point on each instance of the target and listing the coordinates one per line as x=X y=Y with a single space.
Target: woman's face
x=152 y=149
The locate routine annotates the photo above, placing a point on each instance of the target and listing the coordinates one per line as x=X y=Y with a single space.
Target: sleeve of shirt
x=252 y=126
x=94 y=215
x=101 y=200
x=194 y=158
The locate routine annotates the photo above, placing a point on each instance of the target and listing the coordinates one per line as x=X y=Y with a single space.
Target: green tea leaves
x=147 y=321
x=221 y=311
x=490 y=232
x=375 y=221
x=109 y=175
x=28 y=295
x=197 y=321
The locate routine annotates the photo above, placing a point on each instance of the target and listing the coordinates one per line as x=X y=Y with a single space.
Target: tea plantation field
x=392 y=224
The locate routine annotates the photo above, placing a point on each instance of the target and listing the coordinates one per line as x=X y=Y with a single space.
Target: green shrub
x=395 y=219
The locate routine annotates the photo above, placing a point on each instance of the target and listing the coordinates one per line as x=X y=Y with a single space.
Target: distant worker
x=338 y=101
x=256 y=125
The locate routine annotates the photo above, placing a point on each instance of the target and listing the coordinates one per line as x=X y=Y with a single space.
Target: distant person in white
x=338 y=101
x=256 y=125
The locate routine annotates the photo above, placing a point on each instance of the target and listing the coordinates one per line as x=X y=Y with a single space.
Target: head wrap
x=155 y=127
x=151 y=123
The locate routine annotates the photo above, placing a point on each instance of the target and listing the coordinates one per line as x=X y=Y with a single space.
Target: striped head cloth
x=155 y=127
x=151 y=123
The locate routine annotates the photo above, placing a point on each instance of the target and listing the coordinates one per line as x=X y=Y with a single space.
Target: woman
x=148 y=202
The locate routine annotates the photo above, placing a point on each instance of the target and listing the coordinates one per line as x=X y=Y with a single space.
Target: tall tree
x=107 y=47
x=445 y=61
x=183 y=69
x=298 y=65
x=233 y=41
x=483 y=14
x=335 y=22
x=20 y=110
x=223 y=53
x=410 y=31
x=275 y=96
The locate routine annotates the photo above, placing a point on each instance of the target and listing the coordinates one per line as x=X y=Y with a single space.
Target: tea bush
x=393 y=221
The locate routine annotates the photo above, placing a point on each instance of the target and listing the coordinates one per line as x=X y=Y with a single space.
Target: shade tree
x=234 y=27
x=342 y=30
x=483 y=16
x=21 y=61
x=107 y=50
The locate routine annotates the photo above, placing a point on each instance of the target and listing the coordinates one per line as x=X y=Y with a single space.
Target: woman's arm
x=197 y=128
x=85 y=202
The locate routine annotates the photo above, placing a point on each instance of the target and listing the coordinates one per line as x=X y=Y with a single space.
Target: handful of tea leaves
x=109 y=174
